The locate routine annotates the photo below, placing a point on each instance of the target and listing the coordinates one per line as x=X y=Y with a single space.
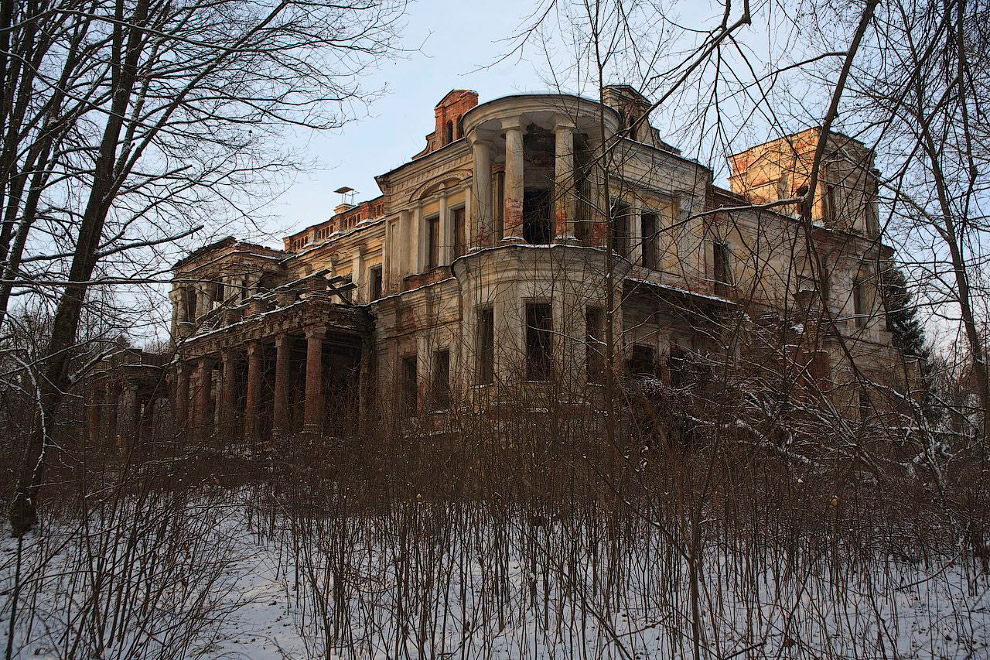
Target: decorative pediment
x=434 y=185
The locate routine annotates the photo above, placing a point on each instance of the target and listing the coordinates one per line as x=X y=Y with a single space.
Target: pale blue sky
x=458 y=39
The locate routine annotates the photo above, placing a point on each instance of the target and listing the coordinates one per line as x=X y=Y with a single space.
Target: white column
x=404 y=239
x=422 y=245
x=483 y=219
x=565 y=199
x=635 y=234
x=469 y=229
x=512 y=224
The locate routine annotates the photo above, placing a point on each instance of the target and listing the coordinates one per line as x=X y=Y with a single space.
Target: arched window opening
x=448 y=132
x=460 y=127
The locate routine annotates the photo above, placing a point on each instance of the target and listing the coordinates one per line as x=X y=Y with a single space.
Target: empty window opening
x=720 y=267
x=677 y=367
x=460 y=235
x=865 y=405
x=537 y=214
x=831 y=212
x=620 y=220
x=860 y=306
x=375 y=282
x=441 y=380
x=218 y=293
x=595 y=348
x=584 y=206
x=409 y=385
x=190 y=295
x=433 y=242
x=649 y=232
x=448 y=134
x=485 y=346
x=642 y=360
x=539 y=341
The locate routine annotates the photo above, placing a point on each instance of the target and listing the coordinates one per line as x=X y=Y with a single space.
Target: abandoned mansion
x=530 y=235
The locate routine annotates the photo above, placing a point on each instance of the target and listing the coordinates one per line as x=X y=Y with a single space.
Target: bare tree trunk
x=55 y=374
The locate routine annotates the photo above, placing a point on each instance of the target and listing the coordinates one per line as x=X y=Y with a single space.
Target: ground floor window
x=539 y=340
x=409 y=385
x=485 y=346
x=441 y=380
x=594 y=351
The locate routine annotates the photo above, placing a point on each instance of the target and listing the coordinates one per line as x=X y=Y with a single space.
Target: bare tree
x=130 y=120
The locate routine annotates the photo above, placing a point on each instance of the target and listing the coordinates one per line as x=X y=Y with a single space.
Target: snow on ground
x=209 y=585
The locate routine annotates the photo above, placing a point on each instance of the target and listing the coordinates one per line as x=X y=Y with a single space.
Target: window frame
x=721 y=255
x=432 y=242
x=539 y=341
x=649 y=240
x=440 y=390
x=458 y=218
x=409 y=384
x=595 y=362
x=484 y=348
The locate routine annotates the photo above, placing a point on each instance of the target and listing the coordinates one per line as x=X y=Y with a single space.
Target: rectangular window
x=677 y=367
x=539 y=341
x=581 y=226
x=485 y=347
x=865 y=405
x=460 y=235
x=650 y=228
x=642 y=361
x=433 y=242
x=620 y=220
x=594 y=351
x=409 y=385
x=859 y=304
x=441 y=380
x=720 y=267
x=375 y=282
x=189 y=294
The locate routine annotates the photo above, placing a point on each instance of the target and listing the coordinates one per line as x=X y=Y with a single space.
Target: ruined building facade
x=481 y=272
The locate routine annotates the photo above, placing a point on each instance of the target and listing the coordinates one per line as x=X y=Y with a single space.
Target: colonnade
x=114 y=411
x=195 y=400
x=564 y=192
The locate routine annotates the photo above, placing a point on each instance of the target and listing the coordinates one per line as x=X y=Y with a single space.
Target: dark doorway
x=537 y=214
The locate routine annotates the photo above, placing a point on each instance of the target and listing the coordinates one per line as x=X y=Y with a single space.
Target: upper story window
x=861 y=306
x=448 y=132
x=457 y=216
x=650 y=225
x=433 y=242
x=620 y=222
x=189 y=293
x=375 y=282
x=721 y=267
